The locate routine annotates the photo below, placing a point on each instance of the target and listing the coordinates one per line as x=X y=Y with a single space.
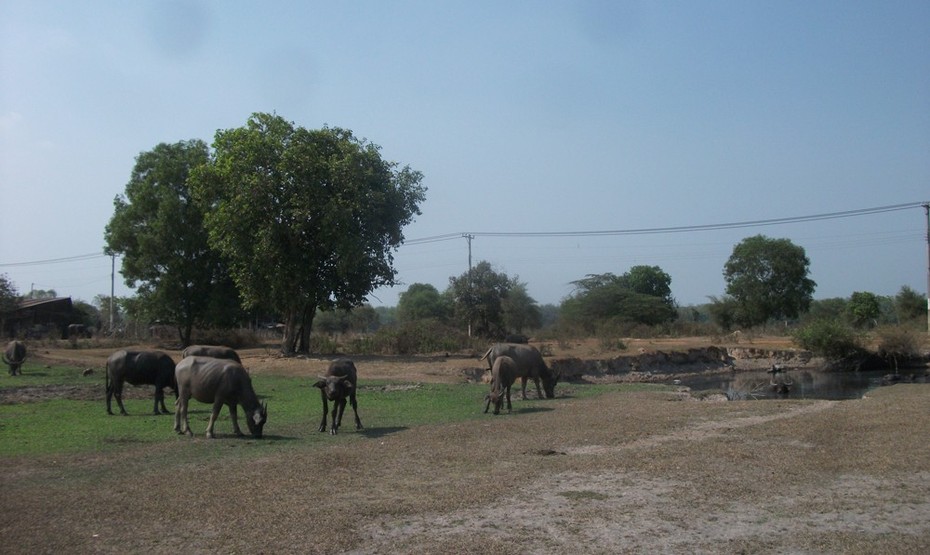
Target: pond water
x=801 y=384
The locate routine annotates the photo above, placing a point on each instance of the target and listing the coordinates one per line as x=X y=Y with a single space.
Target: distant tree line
x=277 y=224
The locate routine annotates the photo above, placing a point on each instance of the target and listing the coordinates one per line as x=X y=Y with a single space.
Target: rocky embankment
x=659 y=366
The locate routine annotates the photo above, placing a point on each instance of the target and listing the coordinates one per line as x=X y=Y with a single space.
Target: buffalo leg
x=539 y=393
x=181 y=423
x=217 y=406
x=507 y=389
x=523 y=386
x=234 y=416
x=325 y=411
x=118 y=393
x=109 y=398
x=354 y=402
x=339 y=407
x=159 y=397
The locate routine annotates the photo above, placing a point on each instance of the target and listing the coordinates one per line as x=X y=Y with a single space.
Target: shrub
x=897 y=344
x=828 y=338
x=420 y=336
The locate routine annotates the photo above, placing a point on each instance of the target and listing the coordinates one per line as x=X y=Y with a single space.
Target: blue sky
x=524 y=117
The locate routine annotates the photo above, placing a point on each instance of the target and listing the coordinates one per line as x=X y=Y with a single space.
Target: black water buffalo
x=503 y=374
x=215 y=351
x=14 y=356
x=339 y=382
x=530 y=364
x=140 y=368
x=220 y=382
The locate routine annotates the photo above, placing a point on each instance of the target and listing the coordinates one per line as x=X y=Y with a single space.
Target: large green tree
x=477 y=299
x=768 y=279
x=642 y=295
x=863 y=309
x=158 y=231
x=521 y=311
x=306 y=219
x=422 y=301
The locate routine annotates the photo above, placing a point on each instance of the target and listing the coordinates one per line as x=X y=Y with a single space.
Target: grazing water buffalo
x=14 y=356
x=339 y=382
x=214 y=351
x=140 y=368
x=530 y=364
x=221 y=382
x=503 y=374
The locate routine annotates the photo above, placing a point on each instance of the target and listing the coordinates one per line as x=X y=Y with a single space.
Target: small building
x=39 y=318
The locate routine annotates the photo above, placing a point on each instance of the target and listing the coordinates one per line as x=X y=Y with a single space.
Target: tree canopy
x=158 y=230
x=863 y=308
x=477 y=299
x=768 y=278
x=306 y=219
x=9 y=299
x=521 y=312
x=421 y=301
x=642 y=295
x=910 y=305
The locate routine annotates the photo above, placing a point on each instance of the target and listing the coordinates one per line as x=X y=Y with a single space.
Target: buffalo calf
x=339 y=383
x=503 y=374
x=530 y=364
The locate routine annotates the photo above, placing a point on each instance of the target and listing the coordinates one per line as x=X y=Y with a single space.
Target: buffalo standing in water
x=220 y=382
x=140 y=368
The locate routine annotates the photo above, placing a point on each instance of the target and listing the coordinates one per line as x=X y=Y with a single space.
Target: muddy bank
x=660 y=366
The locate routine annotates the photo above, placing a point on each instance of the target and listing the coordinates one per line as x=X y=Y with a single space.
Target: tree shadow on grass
x=375 y=433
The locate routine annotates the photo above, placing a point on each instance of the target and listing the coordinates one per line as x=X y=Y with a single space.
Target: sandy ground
x=621 y=473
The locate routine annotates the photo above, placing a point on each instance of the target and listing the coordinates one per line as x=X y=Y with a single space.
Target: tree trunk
x=290 y=332
x=306 y=327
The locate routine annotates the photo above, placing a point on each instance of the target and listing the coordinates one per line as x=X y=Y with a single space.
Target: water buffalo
x=140 y=368
x=339 y=382
x=503 y=374
x=221 y=382
x=214 y=351
x=14 y=356
x=530 y=364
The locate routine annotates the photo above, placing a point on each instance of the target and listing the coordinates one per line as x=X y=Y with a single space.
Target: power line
x=76 y=258
x=589 y=233
x=675 y=229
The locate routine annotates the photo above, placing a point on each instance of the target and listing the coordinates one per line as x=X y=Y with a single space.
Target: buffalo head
x=256 y=420
x=548 y=382
x=335 y=387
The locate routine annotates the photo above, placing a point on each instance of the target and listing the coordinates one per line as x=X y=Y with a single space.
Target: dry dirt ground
x=647 y=472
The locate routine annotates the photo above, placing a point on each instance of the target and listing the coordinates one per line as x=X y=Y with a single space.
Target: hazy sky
x=525 y=117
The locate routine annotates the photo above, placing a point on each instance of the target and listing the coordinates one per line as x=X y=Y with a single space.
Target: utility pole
x=468 y=237
x=927 y=211
x=112 y=287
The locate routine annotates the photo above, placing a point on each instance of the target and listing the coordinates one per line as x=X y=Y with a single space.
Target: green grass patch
x=58 y=425
x=40 y=375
